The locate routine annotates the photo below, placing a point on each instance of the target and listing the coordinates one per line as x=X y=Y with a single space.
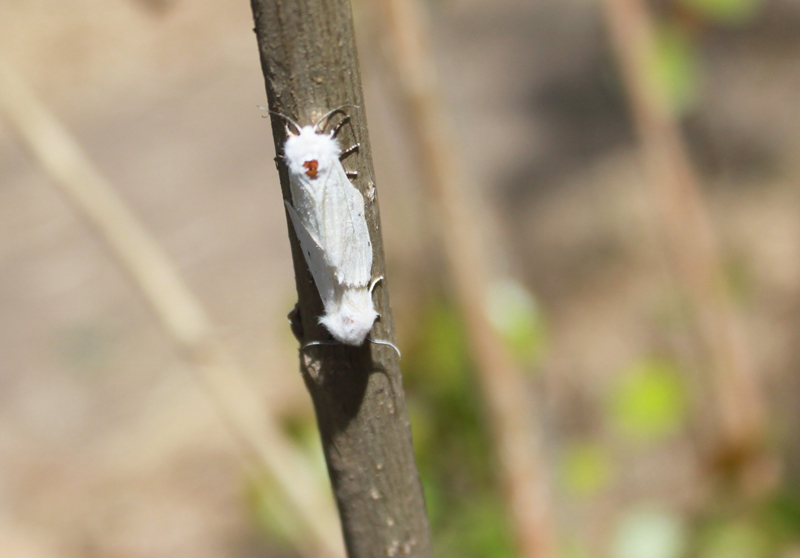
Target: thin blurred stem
x=179 y=312
x=738 y=404
x=523 y=471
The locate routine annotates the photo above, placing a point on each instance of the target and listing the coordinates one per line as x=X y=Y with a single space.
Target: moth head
x=351 y=320
x=309 y=153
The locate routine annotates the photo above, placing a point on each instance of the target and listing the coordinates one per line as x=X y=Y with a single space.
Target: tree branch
x=310 y=66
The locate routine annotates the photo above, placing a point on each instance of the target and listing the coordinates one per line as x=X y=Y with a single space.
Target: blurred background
x=649 y=441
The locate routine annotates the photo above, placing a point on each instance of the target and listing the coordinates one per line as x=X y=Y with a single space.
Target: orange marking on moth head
x=312 y=166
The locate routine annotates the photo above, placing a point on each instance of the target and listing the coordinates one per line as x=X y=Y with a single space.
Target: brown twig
x=737 y=403
x=310 y=66
x=523 y=470
x=180 y=313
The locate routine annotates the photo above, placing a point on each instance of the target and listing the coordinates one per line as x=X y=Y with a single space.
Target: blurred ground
x=110 y=448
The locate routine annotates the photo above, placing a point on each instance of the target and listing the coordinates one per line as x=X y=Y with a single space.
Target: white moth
x=327 y=212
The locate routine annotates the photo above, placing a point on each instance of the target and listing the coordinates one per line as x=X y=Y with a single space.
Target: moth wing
x=306 y=203
x=315 y=257
x=344 y=232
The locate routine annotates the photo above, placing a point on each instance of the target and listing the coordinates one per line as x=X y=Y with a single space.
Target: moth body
x=351 y=316
x=327 y=212
x=307 y=147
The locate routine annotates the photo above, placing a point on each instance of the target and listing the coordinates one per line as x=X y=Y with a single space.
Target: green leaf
x=650 y=401
x=477 y=529
x=649 y=533
x=513 y=312
x=573 y=548
x=735 y=539
x=675 y=67
x=728 y=12
x=586 y=468
x=440 y=362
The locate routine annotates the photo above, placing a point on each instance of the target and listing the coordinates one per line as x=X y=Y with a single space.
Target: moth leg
x=339 y=125
x=315 y=343
x=387 y=343
x=345 y=153
x=349 y=150
x=373 y=341
x=372 y=288
x=374 y=282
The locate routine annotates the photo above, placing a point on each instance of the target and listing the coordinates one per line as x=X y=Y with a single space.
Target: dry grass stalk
x=180 y=313
x=524 y=473
x=737 y=404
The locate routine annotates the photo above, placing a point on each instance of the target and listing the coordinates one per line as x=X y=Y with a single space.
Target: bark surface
x=310 y=65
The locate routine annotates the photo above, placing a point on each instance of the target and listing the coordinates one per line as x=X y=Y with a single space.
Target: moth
x=327 y=213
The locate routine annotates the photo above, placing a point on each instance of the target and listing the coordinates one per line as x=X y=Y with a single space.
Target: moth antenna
x=331 y=113
x=279 y=115
x=387 y=343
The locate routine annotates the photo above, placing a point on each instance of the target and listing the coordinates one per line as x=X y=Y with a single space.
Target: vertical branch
x=310 y=66
x=523 y=472
x=737 y=402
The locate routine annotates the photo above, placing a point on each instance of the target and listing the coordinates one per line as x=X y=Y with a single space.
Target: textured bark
x=309 y=60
